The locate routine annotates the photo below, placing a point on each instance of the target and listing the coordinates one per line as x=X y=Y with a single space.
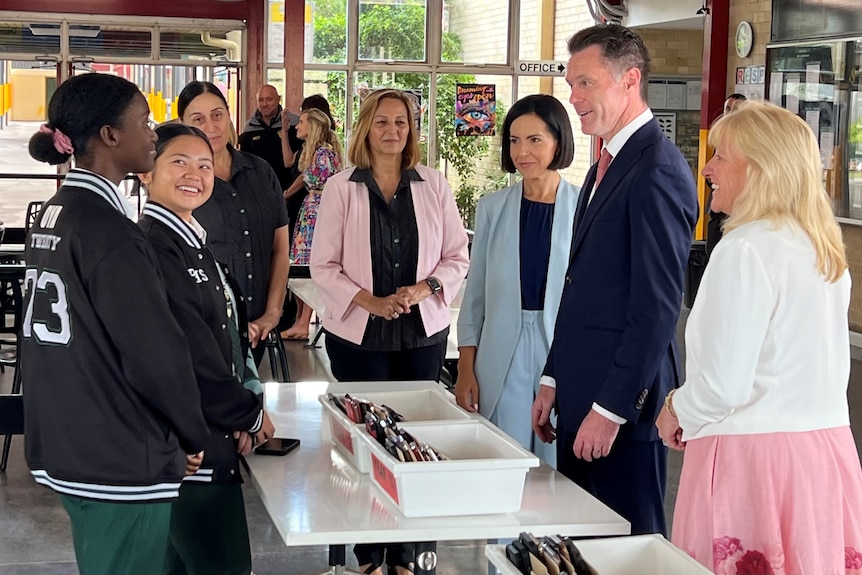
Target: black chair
x=33 y=209
x=275 y=350
x=11 y=422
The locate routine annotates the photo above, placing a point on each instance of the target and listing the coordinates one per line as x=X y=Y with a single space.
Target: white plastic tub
x=485 y=472
x=635 y=555
x=417 y=405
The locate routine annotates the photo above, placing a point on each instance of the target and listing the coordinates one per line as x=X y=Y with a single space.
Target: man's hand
x=541 y=414
x=193 y=463
x=595 y=437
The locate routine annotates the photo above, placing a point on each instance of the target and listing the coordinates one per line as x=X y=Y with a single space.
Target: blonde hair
x=359 y=151
x=319 y=134
x=783 y=180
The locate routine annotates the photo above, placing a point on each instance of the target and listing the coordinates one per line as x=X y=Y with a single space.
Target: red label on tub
x=342 y=435
x=384 y=478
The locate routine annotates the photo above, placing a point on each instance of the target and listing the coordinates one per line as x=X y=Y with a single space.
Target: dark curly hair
x=79 y=108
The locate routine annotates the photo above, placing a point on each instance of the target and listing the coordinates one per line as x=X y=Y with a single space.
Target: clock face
x=744 y=39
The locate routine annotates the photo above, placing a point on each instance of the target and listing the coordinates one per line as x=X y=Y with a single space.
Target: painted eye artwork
x=475 y=110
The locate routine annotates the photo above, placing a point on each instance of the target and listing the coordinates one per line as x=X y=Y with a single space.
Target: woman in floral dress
x=321 y=157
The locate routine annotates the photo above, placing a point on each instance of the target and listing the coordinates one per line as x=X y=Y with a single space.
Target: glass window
x=326 y=31
x=529 y=35
x=108 y=41
x=854 y=135
x=17 y=38
x=804 y=80
x=333 y=87
x=392 y=31
x=275 y=32
x=186 y=44
x=471 y=163
x=475 y=32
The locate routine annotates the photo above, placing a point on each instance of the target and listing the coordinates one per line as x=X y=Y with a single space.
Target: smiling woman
x=208 y=532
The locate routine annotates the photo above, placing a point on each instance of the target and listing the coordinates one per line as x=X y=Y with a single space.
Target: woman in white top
x=771 y=481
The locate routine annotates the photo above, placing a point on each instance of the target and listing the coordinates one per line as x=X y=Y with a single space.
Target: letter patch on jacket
x=199 y=276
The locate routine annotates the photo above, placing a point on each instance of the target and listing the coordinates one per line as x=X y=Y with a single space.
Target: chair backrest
x=33 y=209
x=11 y=414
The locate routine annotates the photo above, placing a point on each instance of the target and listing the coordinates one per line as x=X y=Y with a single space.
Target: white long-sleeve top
x=767 y=341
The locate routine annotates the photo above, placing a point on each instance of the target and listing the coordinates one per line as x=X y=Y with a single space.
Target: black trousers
x=631 y=480
x=351 y=364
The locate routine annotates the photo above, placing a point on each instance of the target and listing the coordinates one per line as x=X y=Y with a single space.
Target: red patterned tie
x=604 y=162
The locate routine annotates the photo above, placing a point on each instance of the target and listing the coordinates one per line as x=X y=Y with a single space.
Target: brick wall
x=759 y=14
x=674 y=52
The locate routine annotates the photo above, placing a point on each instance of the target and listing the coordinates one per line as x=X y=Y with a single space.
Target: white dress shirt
x=613 y=147
x=767 y=341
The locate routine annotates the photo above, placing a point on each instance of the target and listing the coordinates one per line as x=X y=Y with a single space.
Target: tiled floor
x=35 y=537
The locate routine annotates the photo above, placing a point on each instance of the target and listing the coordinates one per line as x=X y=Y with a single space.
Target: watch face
x=744 y=39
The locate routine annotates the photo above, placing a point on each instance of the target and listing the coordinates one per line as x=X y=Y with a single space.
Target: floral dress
x=325 y=163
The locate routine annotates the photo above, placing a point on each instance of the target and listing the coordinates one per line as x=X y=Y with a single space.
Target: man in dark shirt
x=261 y=135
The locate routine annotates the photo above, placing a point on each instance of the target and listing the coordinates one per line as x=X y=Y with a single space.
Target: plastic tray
x=485 y=472
x=635 y=555
x=417 y=405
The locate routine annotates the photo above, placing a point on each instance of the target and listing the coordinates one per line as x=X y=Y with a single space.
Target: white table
x=305 y=290
x=316 y=498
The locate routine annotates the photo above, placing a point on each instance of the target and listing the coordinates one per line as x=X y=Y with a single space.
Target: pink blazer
x=341 y=250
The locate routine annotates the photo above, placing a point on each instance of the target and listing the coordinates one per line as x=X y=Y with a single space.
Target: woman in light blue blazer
x=518 y=264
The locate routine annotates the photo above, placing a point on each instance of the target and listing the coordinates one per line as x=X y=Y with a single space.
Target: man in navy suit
x=614 y=355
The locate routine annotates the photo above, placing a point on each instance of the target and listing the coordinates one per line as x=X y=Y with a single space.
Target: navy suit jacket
x=614 y=341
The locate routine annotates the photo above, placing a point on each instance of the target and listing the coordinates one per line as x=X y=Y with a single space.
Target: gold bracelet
x=667 y=403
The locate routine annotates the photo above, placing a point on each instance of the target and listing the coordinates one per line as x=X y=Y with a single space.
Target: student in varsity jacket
x=111 y=408
x=209 y=532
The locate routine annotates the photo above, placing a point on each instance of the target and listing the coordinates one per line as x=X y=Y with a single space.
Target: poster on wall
x=475 y=109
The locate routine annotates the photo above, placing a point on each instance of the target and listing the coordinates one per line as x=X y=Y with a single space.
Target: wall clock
x=744 y=39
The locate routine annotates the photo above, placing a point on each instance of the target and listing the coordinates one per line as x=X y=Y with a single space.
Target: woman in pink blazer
x=389 y=255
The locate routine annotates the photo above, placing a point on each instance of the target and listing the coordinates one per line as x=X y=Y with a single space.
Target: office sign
x=541 y=67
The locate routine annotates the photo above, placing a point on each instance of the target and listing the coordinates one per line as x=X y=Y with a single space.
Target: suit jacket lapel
x=629 y=155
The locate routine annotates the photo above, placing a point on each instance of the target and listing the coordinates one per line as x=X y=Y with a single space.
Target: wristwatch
x=434 y=285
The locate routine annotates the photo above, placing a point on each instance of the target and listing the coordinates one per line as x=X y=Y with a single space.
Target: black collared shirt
x=240 y=219
x=394 y=259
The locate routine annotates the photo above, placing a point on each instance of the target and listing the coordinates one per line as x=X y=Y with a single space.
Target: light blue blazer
x=490 y=316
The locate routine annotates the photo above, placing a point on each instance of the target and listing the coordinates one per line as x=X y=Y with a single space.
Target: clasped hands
x=392 y=306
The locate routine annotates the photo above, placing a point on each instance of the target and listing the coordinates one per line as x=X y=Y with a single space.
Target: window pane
x=275 y=32
x=29 y=38
x=475 y=31
x=186 y=44
x=105 y=42
x=854 y=137
x=326 y=31
x=529 y=39
x=416 y=84
x=333 y=87
x=471 y=163
x=390 y=31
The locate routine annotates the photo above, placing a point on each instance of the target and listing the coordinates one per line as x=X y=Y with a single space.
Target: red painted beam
x=716 y=26
x=232 y=10
x=716 y=31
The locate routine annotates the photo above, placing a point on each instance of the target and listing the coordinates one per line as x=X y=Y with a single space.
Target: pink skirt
x=776 y=503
